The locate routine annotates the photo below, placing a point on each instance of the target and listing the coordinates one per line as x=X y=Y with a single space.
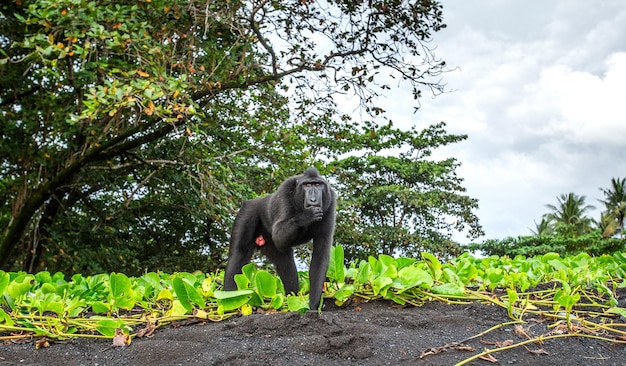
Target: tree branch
x=18 y=97
x=42 y=193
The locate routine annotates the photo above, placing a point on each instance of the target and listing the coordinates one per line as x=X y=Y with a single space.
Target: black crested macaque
x=301 y=209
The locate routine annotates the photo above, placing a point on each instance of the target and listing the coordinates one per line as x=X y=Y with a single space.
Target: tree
x=568 y=215
x=607 y=225
x=404 y=204
x=615 y=205
x=544 y=227
x=591 y=243
x=125 y=123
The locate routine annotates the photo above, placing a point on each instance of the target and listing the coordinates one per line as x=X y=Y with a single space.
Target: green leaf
x=380 y=285
x=277 y=301
x=43 y=277
x=256 y=300
x=48 y=288
x=364 y=273
x=107 y=326
x=4 y=282
x=409 y=277
x=512 y=298
x=617 y=310
x=297 y=303
x=221 y=295
x=54 y=307
x=208 y=286
x=246 y=277
x=242 y=281
x=120 y=285
x=434 y=265
x=232 y=300
x=249 y=270
x=181 y=293
x=165 y=294
x=344 y=293
x=74 y=307
x=565 y=297
x=187 y=294
x=467 y=272
x=390 y=295
x=154 y=280
x=384 y=266
x=404 y=262
x=58 y=277
x=265 y=284
x=336 y=269
x=177 y=309
x=124 y=302
x=450 y=276
x=387 y=260
x=5 y=318
x=449 y=289
x=550 y=256
x=100 y=307
x=558 y=264
x=20 y=286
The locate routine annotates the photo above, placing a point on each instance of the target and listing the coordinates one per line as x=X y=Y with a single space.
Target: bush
x=591 y=243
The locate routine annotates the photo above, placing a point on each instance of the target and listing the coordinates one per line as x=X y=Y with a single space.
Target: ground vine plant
x=576 y=292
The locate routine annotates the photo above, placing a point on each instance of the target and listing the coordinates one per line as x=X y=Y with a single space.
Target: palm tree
x=615 y=202
x=543 y=228
x=569 y=214
x=607 y=225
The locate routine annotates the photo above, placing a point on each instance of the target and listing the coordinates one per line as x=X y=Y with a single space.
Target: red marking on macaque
x=260 y=240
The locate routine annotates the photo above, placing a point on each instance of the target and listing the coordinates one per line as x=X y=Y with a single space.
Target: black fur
x=301 y=209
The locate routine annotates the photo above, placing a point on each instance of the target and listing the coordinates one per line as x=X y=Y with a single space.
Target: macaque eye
x=308 y=185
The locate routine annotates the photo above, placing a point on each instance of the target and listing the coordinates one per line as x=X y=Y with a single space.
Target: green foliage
x=336 y=267
x=231 y=300
x=592 y=243
x=615 y=208
x=267 y=290
x=568 y=216
x=133 y=129
x=567 y=230
x=544 y=227
x=48 y=305
x=402 y=203
x=187 y=293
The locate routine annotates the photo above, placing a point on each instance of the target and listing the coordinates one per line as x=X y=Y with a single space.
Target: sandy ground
x=362 y=333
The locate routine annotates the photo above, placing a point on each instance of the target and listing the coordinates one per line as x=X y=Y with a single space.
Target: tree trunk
x=17 y=226
x=112 y=148
x=33 y=257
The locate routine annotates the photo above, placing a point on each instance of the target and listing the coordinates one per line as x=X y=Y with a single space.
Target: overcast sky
x=541 y=91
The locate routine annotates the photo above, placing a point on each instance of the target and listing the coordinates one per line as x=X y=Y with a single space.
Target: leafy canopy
x=568 y=230
x=132 y=129
x=403 y=203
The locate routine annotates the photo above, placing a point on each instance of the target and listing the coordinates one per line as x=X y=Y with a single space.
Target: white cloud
x=576 y=107
x=541 y=92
